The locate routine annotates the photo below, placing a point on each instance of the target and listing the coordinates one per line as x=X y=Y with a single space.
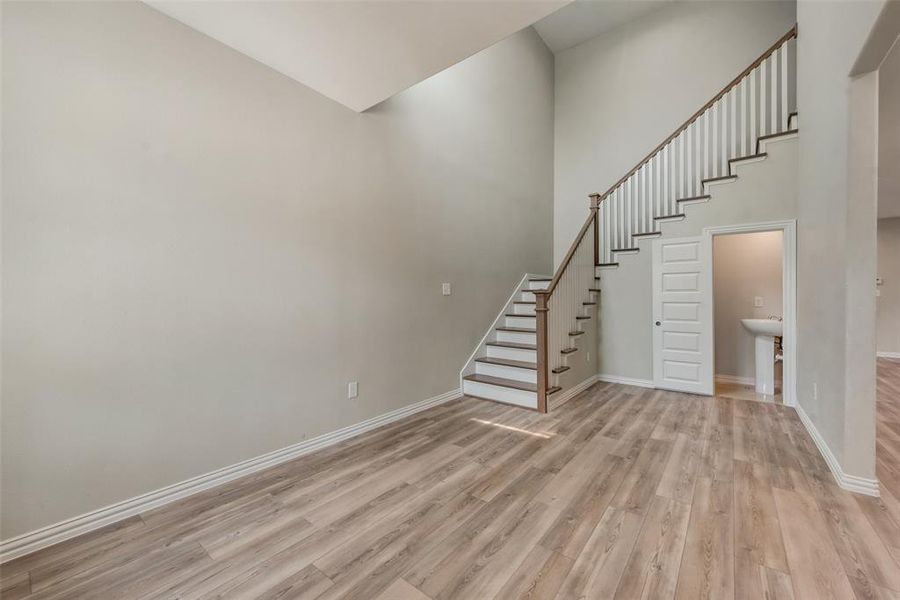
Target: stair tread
x=500 y=381
x=721 y=178
x=523 y=302
x=516 y=345
x=646 y=234
x=576 y=333
x=612 y=264
x=660 y=218
x=588 y=303
x=568 y=350
x=506 y=362
x=748 y=157
x=559 y=370
x=770 y=136
x=553 y=390
x=689 y=198
x=626 y=250
x=540 y=279
x=518 y=329
x=594 y=290
x=519 y=315
x=581 y=317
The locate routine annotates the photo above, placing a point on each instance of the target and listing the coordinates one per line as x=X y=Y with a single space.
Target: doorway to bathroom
x=752 y=310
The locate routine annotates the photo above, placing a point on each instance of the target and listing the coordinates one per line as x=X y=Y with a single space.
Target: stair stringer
x=765 y=190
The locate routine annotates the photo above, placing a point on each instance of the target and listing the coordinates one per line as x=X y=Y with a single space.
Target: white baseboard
x=737 y=379
x=59 y=532
x=566 y=395
x=889 y=355
x=645 y=383
x=851 y=483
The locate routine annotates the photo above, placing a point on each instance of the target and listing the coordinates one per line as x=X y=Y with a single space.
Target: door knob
x=658 y=323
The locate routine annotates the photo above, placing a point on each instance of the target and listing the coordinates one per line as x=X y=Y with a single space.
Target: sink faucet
x=774 y=318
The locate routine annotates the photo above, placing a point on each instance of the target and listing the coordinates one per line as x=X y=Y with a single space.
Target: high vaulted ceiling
x=584 y=19
x=358 y=53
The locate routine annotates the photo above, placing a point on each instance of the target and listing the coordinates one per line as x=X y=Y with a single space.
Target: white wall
x=200 y=253
x=622 y=93
x=745 y=266
x=888 y=302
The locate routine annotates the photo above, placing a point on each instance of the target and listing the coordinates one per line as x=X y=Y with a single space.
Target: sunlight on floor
x=544 y=435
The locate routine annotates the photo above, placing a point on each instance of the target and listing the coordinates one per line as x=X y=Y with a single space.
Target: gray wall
x=835 y=235
x=765 y=191
x=621 y=93
x=744 y=266
x=888 y=302
x=199 y=253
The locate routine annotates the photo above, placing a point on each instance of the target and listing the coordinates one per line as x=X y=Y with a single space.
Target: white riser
x=521 y=322
x=538 y=285
x=523 y=309
x=500 y=394
x=512 y=353
x=526 y=297
x=518 y=338
x=527 y=375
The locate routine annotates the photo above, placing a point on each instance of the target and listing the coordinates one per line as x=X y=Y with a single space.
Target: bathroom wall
x=744 y=266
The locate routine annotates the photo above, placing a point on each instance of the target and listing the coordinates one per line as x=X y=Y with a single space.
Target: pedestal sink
x=765 y=331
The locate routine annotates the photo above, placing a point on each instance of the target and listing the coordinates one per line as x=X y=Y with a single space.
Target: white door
x=682 y=327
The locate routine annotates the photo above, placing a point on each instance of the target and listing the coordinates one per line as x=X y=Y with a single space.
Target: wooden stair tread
x=689 y=198
x=518 y=329
x=748 y=157
x=771 y=136
x=646 y=233
x=722 y=178
x=518 y=315
x=594 y=290
x=515 y=345
x=582 y=317
x=559 y=370
x=625 y=250
x=523 y=302
x=568 y=350
x=576 y=333
x=612 y=264
x=506 y=362
x=660 y=218
x=588 y=303
x=541 y=279
x=500 y=381
x=553 y=390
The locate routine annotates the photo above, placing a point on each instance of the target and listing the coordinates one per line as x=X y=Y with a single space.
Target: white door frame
x=789 y=292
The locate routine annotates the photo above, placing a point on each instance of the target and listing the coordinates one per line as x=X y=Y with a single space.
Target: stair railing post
x=595 y=212
x=543 y=379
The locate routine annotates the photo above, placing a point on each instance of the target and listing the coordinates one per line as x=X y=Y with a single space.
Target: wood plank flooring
x=618 y=493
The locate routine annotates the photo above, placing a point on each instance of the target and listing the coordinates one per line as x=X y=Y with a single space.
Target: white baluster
x=763 y=98
x=743 y=139
x=782 y=59
x=754 y=106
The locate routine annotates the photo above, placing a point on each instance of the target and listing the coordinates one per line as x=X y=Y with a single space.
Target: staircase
x=525 y=358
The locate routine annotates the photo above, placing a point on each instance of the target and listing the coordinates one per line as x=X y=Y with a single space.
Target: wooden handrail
x=792 y=33
x=591 y=220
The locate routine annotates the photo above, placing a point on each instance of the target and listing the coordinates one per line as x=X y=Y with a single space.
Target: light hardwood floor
x=618 y=493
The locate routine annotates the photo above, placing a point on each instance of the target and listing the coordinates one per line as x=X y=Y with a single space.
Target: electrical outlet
x=758 y=301
x=445 y=289
x=352 y=389
x=588 y=357
x=815 y=391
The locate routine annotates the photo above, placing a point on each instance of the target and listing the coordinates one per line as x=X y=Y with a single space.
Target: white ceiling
x=358 y=53
x=584 y=19
x=889 y=135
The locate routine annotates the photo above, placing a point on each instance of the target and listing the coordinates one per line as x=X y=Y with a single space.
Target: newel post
x=595 y=213
x=543 y=376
